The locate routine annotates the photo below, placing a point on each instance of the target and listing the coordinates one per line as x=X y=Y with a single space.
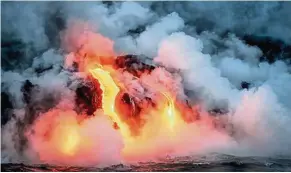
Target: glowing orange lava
x=70 y=139
x=170 y=112
x=165 y=119
x=110 y=91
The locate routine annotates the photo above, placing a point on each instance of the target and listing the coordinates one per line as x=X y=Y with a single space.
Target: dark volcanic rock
x=88 y=96
x=130 y=112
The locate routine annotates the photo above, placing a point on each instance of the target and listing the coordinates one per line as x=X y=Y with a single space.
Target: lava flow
x=169 y=113
x=110 y=91
x=145 y=124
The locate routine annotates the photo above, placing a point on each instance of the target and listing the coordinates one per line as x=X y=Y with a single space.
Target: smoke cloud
x=204 y=57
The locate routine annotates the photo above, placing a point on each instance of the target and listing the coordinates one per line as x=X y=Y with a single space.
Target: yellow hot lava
x=165 y=119
x=170 y=111
x=110 y=91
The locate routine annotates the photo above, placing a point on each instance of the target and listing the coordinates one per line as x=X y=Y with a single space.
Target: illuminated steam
x=202 y=58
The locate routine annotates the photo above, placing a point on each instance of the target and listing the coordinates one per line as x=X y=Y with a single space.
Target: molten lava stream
x=167 y=120
x=170 y=112
x=110 y=91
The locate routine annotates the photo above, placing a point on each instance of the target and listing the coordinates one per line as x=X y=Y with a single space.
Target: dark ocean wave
x=223 y=163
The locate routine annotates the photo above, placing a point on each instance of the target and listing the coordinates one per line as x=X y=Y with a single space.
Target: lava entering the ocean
x=151 y=123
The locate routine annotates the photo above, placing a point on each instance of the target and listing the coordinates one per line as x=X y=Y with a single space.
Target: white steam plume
x=211 y=66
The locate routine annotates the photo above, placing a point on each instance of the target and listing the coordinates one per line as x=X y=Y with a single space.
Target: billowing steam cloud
x=214 y=49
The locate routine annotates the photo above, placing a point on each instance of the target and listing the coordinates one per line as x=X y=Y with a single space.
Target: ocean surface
x=208 y=163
